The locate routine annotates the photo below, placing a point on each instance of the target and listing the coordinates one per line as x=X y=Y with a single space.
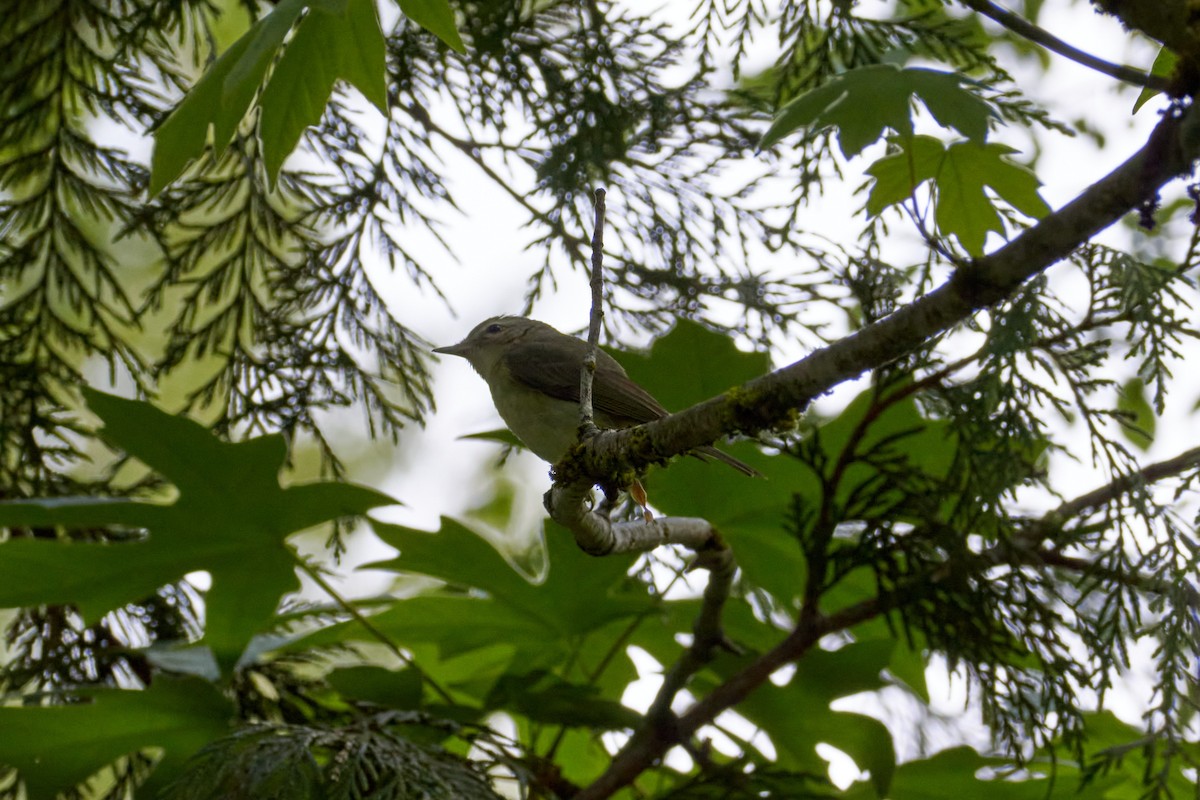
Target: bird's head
x=491 y=339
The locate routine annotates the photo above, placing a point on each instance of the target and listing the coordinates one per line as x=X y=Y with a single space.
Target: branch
x=587 y=426
x=767 y=401
x=708 y=635
x=649 y=743
x=1118 y=486
x=1023 y=27
x=1029 y=545
x=772 y=400
x=597 y=535
x=1142 y=582
x=661 y=732
x=1027 y=548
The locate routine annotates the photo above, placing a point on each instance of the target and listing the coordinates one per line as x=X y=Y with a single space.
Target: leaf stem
x=382 y=637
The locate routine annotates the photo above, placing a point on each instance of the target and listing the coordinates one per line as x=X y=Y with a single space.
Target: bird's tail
x=740 y=466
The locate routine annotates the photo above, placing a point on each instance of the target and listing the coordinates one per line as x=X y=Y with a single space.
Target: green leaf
x=389 y=688
x=1163 y=67
x=1138 y=422
x=578 y=594
x=897 y=176
x=963 y=208
x=455 y=624
x=220 y=99
x=954 y=774
x=437 y=17
x=56 y=747
x=821 y=677
x=861 y=103
x=963 y=173
x=581 y=756
x=749 y=512
x=543 y=697
x=472 y=674
x=184 y=134
x=337 y=39
x=690 y=364
x=231 y=519
x=326 y=47
x=265 y=38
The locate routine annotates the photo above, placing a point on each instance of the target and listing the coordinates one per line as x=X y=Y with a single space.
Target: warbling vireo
x=533 y=373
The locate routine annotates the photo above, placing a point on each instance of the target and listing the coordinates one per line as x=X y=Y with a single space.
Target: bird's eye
x=493 y=328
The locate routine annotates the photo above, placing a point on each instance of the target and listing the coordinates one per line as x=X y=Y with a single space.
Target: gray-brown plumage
x=533 y=373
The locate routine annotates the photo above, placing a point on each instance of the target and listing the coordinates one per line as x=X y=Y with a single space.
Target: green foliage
x=822 y=678
x=326 y=47
x=1164 y=66
x=536 y=624
x=962 y=772
x=368 y=759
x=702 y=364
x=862 y=103
x=231 y=518
x=961 y=173
x=435 y=16
x=1140 y=419
x=334 y=40
x=864 y=492
x=56 y=748
x=383 y=687
x=905 y=526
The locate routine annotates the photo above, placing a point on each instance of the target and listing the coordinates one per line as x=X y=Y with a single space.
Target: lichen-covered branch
x=772 y=400
x=767 y=401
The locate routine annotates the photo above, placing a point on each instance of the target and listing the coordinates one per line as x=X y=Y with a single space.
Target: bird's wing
x=554 y=370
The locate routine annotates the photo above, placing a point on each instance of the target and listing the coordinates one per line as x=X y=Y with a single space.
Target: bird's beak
x=461 y=349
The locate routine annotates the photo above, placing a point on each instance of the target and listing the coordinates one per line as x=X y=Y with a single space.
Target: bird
x=533 y=373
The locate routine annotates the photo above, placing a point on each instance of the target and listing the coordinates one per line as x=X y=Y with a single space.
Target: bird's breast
x=544 y=424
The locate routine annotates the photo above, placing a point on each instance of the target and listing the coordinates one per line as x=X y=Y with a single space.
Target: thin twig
x=597 y=535
x=587 y=425
x=707 y=635
x=361 y=619
x=1023 y=27
x=1150 y=584
x=1145 y=476
x=1028 y=546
